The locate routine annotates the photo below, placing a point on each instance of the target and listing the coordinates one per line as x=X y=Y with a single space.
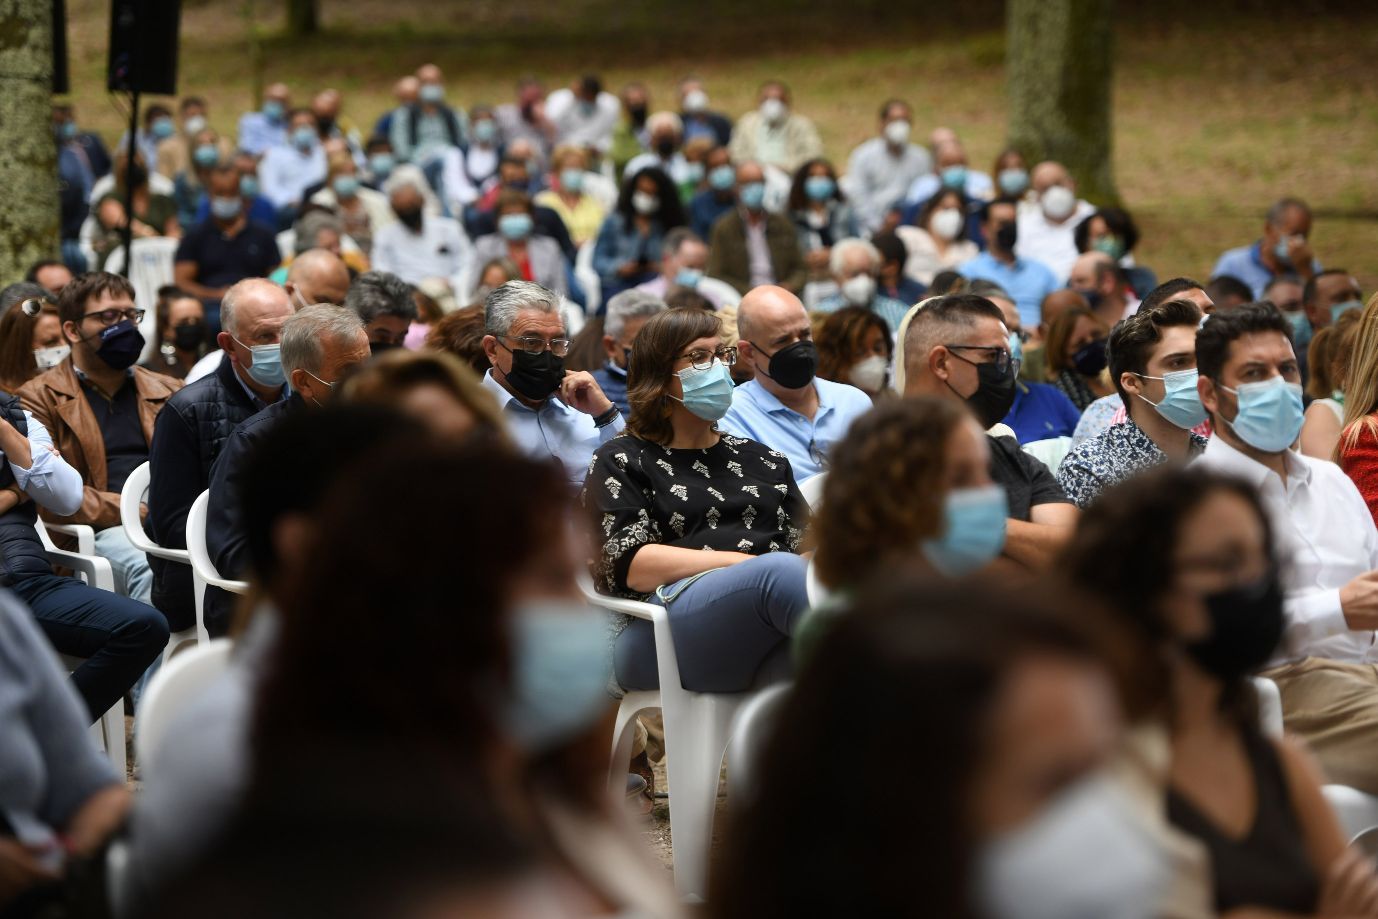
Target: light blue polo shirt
x=554 y=429
x=1246 y=264
x=1027 y=281
x=755 y=413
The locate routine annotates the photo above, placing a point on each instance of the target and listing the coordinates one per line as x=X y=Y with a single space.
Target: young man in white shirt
x=1251 y=385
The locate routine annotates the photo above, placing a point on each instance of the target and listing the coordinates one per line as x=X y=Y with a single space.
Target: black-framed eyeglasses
x=816 y=454
x=33 y=306
x=702 y=358
x=534 y=344
x=113 y=315
x=999 y=356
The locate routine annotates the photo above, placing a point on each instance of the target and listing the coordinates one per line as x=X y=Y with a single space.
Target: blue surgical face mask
x=753 y=195
x=303 y=138
x=1181 y=403
x=973 y=530
x=206 y=156
x=515 y=226
x=69 y=130
x=722 y=177
x=164 y=128
x=572 y=179
x=380 y=164
x=819 y=188
x=1014 y=181
x=688 y=277
x=273 y=110
x=693 y=173
x=1270 y=414
x=266 y=369
x=955 y=177
x=707 y=393
x=345 y=186
x=1301 y=328
x=226 y=208
x=248 y=187
x=1339 y=309
x=1281 y=252
x=485 y=130
x=432 y=93
x=560 y=669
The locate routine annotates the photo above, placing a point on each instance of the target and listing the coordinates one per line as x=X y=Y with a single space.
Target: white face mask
x=1084 y=856
x=859 y=290
x=773 y=110
x=696 y=100
x=48 y=358
x=645 y=203
x=1058 y=202
x=947 y=223
x=897 y=132
x=869 y=374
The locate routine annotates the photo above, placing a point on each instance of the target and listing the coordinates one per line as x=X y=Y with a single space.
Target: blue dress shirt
x=1027 y=281
x=1041 y=411
x=1246 y=264
x=554 y=429
x=757 y=414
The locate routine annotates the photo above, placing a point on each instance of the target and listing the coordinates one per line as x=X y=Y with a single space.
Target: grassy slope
x=1212 y=121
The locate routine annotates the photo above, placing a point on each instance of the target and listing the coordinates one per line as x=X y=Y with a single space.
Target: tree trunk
x=1059 y=64
x=303 y=18
x=28 y=152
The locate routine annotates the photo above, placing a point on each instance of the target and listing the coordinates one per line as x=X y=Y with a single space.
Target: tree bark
x=303 y=18
x=1060 y=67
x=28 y=152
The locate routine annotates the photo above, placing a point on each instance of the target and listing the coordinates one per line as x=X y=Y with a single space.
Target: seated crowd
x=925 y=444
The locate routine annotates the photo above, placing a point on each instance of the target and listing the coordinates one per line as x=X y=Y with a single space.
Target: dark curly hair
x=841 y=335
x=884 y=492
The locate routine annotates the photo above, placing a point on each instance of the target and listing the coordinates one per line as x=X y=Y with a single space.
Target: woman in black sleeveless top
x=1185 y=560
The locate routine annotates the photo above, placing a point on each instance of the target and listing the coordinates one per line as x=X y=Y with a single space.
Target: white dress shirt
x=582 y=125
x=1324 y=538
x=285 y=173
x=553 y=429
x=49 y=481
x=1053 y=244
x=440 y=250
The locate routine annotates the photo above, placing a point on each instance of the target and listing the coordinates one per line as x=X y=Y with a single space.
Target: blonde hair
x=1361 y=385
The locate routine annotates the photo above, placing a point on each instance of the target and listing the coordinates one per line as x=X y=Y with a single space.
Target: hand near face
x=580 y=391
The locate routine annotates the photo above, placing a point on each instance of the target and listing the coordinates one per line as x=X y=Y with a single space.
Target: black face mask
x=189 y=336
x=120 y=345
x=793 y=366
x=325 y=125
x=1246 y=626
x=1006 y=235
x=535 y=376
x=411 y=218
x=1090 y=360
x=638 y=113
x=665 y=148
x=994 y=392
x=379 y=347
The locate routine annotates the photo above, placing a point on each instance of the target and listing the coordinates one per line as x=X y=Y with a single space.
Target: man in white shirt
x=584 y=114
x=549 y=411
x=881 y=169
x=1325 y=537
x=1046 y=229
x=289 y=169
x=419 y=246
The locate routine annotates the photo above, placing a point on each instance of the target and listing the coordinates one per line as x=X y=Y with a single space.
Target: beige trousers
x=1333 y=706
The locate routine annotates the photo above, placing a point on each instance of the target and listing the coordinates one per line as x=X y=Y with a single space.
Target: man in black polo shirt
x=225 y=248
x=957 y=347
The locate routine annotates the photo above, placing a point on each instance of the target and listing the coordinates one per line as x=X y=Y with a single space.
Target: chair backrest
x=200 y=556
x=131 y=517
x=176 y=683
x=1269 y=706
x=1050 y=451
x=812 y=489
x=588 y=278
x=149 y=269
x=721 y=291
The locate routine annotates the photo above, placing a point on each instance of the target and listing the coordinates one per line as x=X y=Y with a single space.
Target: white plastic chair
x=750 y=733
x=1050 y=451
x=108 y=731
x=588 y=278
x=176 y=683
x=1269 y=707
x=697 y=729
x=812 y=489
x=83 y=534
x=718 y=291
x=131 y=518
x=203 y=571
x=151 y=268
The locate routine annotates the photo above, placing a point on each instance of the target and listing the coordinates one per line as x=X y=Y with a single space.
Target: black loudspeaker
x=60 y=84
x=143 y=46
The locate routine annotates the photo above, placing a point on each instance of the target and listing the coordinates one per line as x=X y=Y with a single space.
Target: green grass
x=1213 y=118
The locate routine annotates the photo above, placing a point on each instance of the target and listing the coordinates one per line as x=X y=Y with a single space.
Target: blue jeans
x=731 y=627
x=133 y=577
x=119 y=637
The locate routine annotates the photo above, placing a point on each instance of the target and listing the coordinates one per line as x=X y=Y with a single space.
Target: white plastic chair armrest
x=234 y=587
x=84 y=535
x=96 y=569
x=635 y=608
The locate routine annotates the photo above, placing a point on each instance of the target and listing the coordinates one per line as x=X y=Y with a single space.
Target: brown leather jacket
x=55 y=398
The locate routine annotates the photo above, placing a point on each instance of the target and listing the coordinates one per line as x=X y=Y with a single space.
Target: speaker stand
x=128 y=232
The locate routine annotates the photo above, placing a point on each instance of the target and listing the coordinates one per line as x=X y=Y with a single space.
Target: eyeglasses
x=112 y=316
x=998 y=356
x=533 y=344
x=33 y=306
x=702 y=359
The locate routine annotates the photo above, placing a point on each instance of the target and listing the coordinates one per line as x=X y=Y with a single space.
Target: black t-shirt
x=120 y=428
x=224 y=260
x=1028 y=483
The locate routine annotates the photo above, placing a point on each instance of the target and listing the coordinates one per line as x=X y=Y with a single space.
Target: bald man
x=317 y=276
x=1046 y=229
x=786 y=406
x=195 y=423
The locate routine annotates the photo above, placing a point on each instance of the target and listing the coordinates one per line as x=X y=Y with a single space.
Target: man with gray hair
x=386 y=305
x=1284 y=250
x=683 y=261
x=319 y=346
x=855 y=265
x=421 y=245
x=194 y=425
x=550 y=411
x=627 y=313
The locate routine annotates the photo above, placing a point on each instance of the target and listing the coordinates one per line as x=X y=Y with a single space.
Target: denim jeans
x=133 y=578
x=117 y=636
x=731 y=627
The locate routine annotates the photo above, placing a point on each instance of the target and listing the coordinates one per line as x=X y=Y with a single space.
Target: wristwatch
x=607 y=418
